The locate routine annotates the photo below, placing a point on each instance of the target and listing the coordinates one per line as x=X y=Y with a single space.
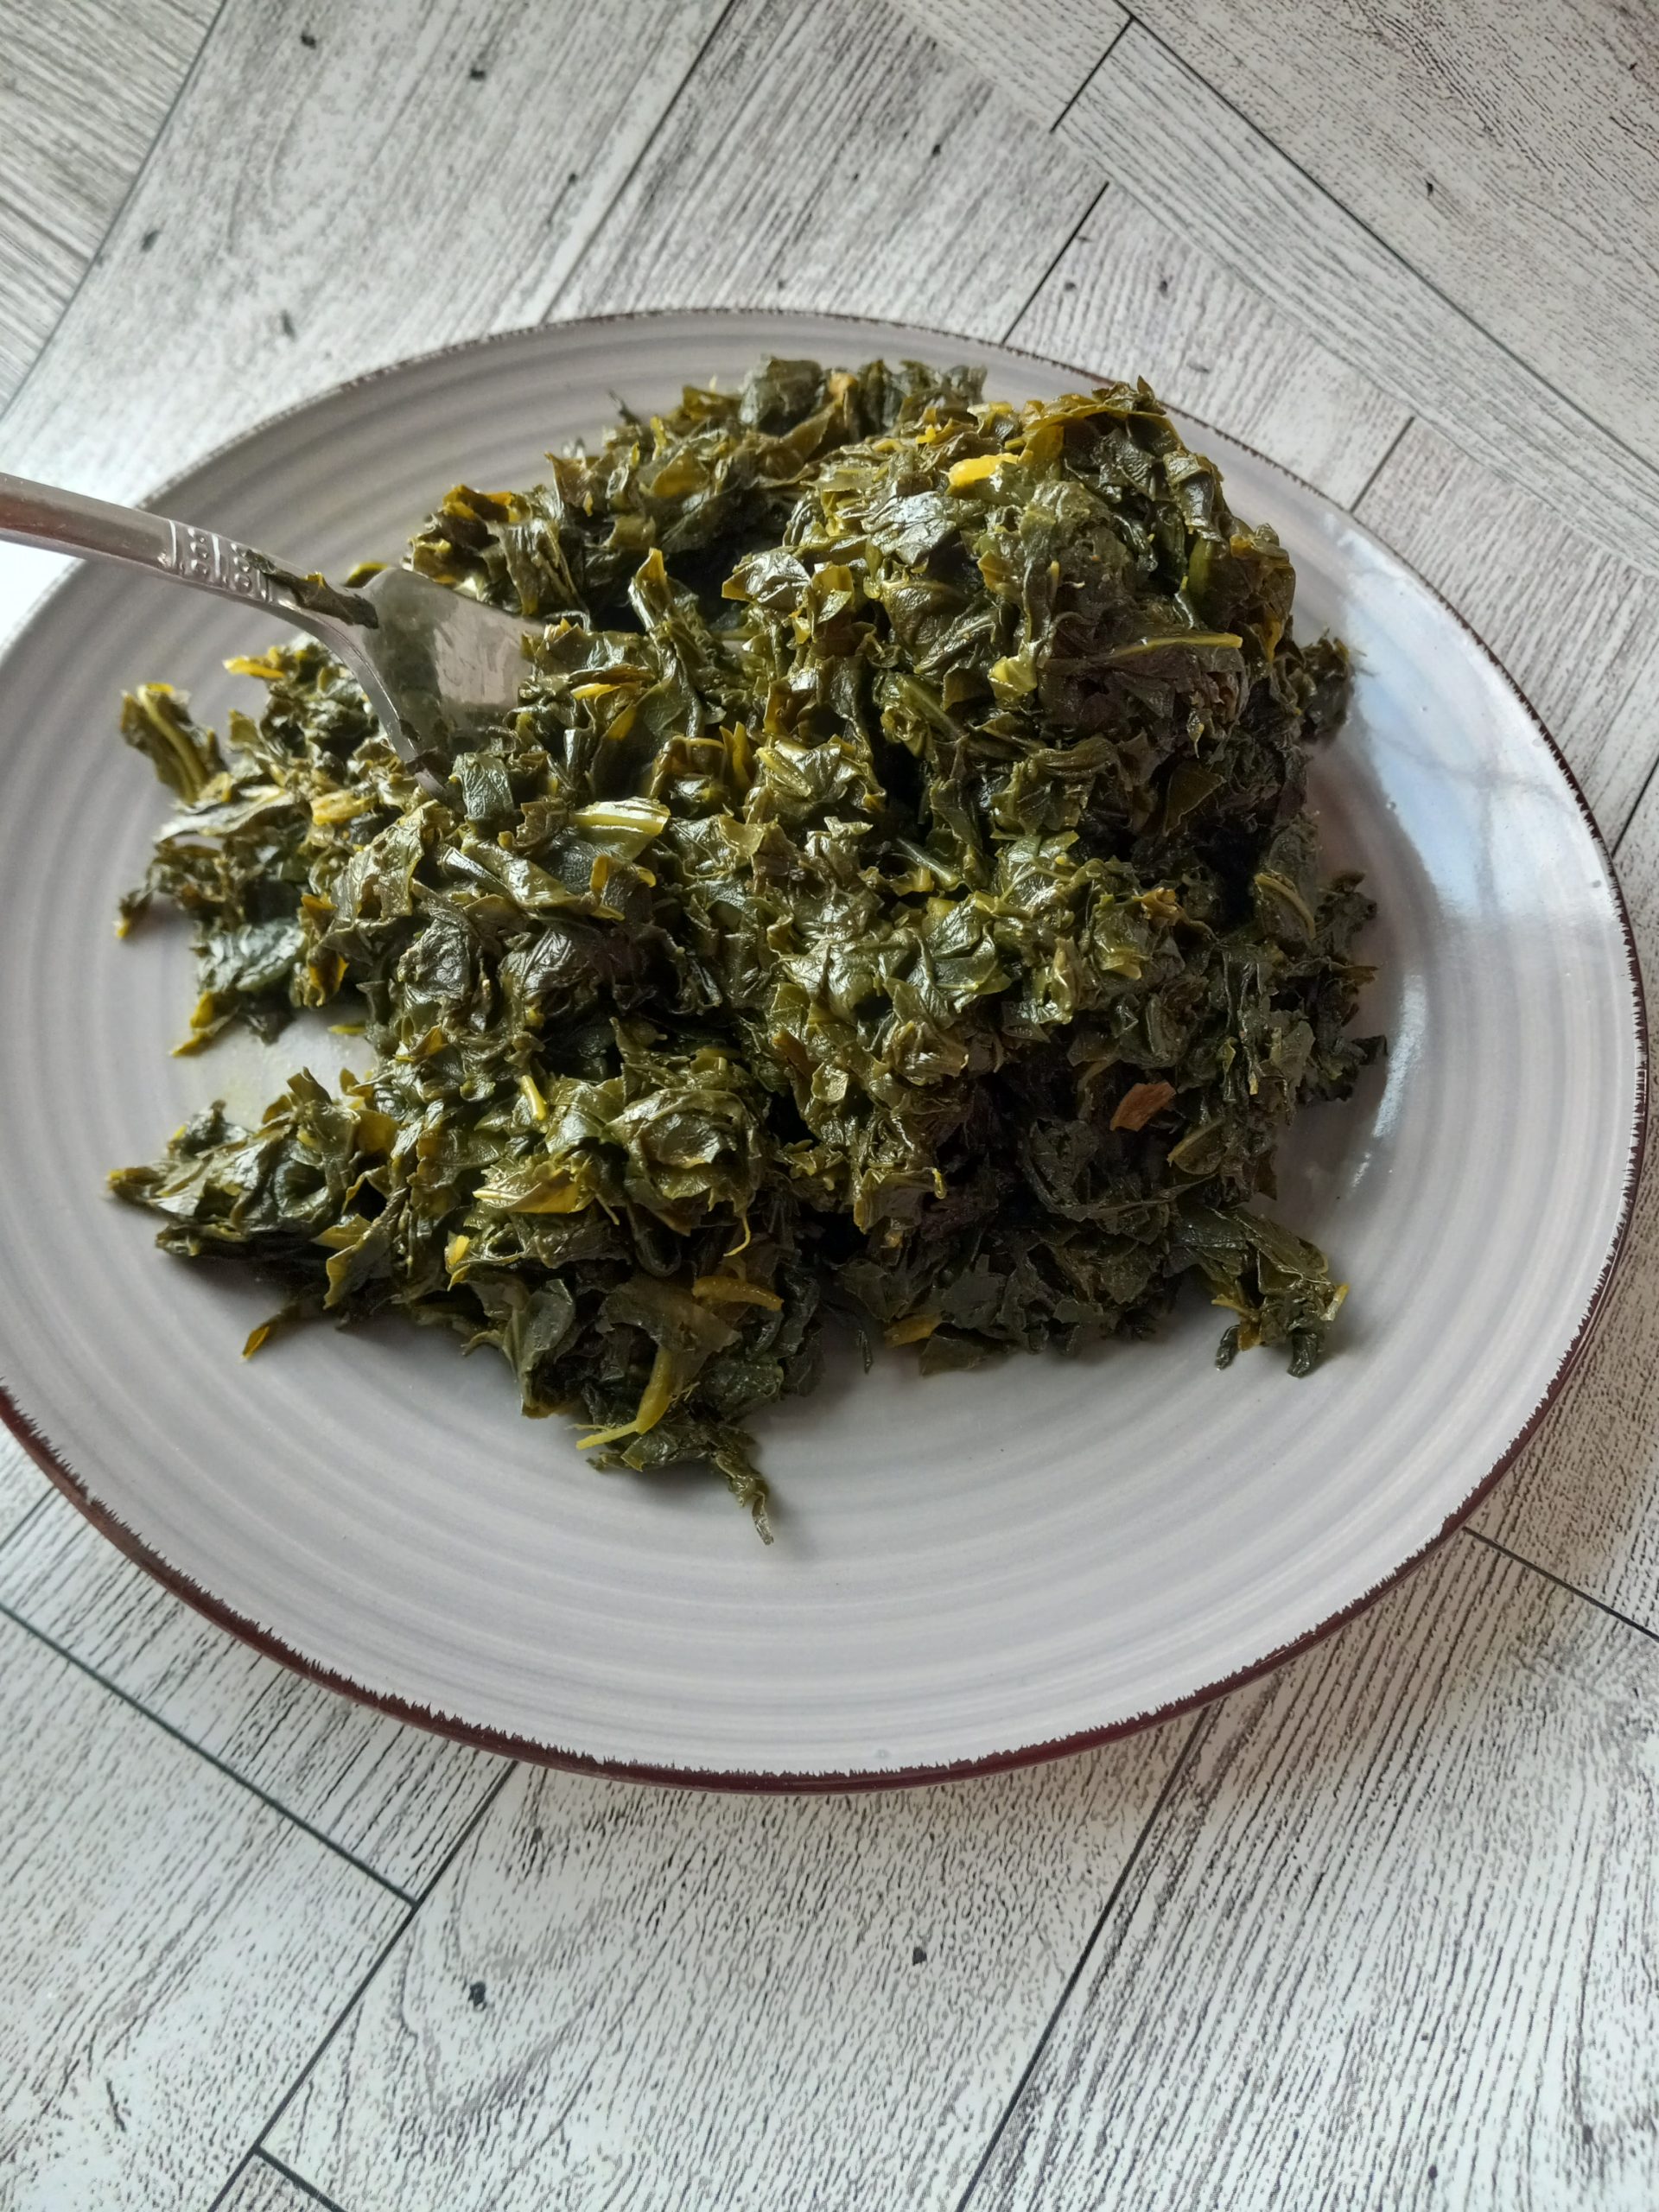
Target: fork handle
x=69 y=522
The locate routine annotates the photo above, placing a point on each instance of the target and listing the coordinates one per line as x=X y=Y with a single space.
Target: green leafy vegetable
x=894 y=893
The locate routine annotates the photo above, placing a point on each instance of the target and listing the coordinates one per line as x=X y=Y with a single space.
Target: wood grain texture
x=835 y=158
x=21 y=1484
x=1583 y=1500
x=1395 y=1939
x=1130 y=297
x=262 y=2187
x=1198 y=166
x=395 y=1797
x=1038 y=54
x=1577 y=628
x=84 y=86
x=423 y=171
x=1509 y=154
x=172 y=1951
x=638 y=1999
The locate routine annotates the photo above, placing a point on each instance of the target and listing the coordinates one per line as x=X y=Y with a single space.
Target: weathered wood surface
x=172 y=1950
x=1511 y=155
x=839 y=159
x=262 y=2187
x=22 y=1485
x=394 y=1797
x=1576 y=627
x=84 y=86
x=344 y=186
x=642 y=1998
x=1394 y=1939
x=1197 y=163
x=1039 y=53
x=1131 y=297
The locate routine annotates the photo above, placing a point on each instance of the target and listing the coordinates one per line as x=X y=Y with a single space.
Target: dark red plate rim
x=494 y=1740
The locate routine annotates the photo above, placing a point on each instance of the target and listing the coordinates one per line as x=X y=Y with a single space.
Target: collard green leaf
x=894 y=894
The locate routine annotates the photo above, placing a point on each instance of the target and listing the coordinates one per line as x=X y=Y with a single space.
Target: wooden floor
x=1382 y=1931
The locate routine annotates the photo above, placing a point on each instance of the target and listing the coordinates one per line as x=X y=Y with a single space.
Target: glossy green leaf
x=893 y=894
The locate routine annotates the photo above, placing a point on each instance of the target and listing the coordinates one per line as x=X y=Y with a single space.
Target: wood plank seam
x=1131 y=1860
x=257 y=2148
x=1571 y=1589
x=480 y=1813
x=1071 y=239
x=22 y=1523
x=1078 y=94
x=288 y=2174
x=1355 y=504
x=615 y=202
x=1393 y=252
x=272 y=1804
x=121 y=207
x=256 y=2160
x=1640 y=801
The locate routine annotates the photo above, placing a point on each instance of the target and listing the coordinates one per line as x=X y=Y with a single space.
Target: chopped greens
x=893 y=895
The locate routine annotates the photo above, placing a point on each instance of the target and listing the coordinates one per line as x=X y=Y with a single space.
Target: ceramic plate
x=969 y=1571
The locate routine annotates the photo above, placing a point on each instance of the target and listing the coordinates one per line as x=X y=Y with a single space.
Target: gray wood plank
x=84 y=86
x=1394 y=1939
x=1197 y=165
x=1583 y=1499
x=1038 y=53
x=21 y=1484
x=641 y=1999
x=1131 y=297
x=395 y=1797
x=1511 y=154
x=1577 y=628
x=172 y=1951
x=421 y=172
x=837 y=159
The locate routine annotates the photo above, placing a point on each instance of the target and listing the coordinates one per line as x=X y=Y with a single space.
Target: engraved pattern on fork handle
x=203 y=557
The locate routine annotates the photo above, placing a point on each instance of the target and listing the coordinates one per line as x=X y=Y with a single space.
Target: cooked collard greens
x=893 y=896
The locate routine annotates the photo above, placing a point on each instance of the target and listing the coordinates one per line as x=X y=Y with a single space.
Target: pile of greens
x=894 y=894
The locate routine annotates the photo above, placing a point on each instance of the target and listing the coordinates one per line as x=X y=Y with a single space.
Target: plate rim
x=780 y=1781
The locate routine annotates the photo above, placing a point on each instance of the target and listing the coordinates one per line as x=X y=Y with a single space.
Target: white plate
x=969 y=1571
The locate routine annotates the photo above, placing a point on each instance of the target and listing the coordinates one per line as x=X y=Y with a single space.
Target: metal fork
x=437 y=667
